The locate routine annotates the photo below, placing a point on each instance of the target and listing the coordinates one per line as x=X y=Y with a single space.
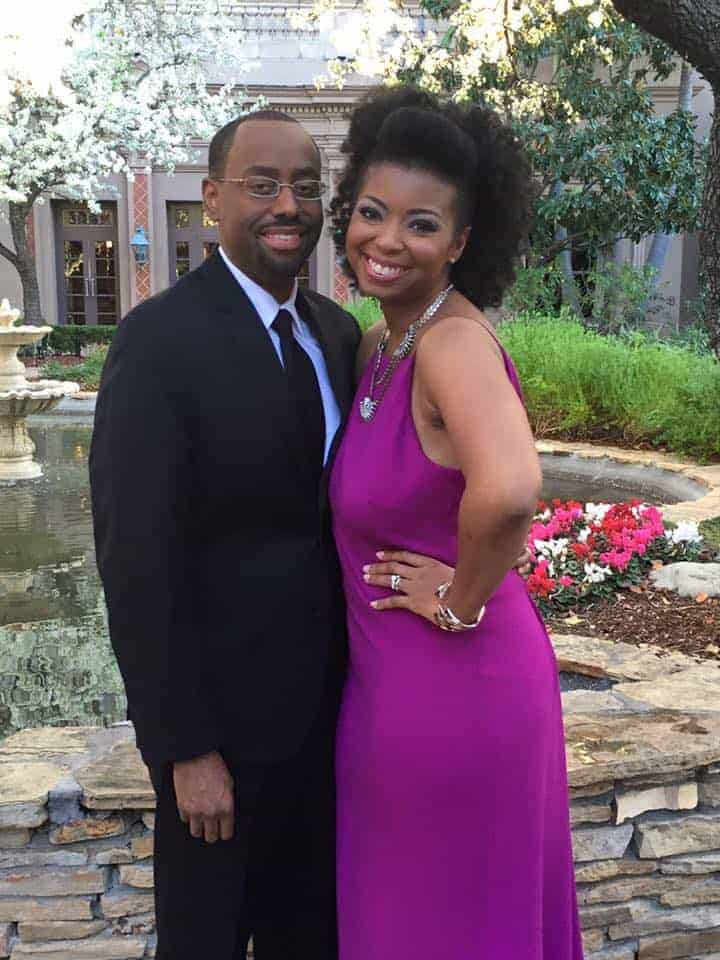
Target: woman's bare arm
x=460 y=373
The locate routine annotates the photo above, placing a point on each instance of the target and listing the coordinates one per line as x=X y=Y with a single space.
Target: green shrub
x=535 y=288
x=710 y=530
x=87 y=373
x=580 y=385
x=366 y=311
x=69 y=340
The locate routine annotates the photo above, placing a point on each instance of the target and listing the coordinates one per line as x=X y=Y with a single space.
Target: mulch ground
x=681 y=624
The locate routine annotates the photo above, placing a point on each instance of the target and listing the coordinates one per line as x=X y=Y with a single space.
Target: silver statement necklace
x=370 y=403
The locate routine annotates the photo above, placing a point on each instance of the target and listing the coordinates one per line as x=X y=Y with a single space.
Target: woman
x=453 y=834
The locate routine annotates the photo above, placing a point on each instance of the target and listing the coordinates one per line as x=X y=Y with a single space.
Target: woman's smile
x=381 y=271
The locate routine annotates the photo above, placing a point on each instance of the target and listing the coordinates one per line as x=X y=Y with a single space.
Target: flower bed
x=585 y=551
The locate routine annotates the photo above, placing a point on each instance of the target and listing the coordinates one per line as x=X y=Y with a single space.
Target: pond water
x=599 y=491
x=56 y=662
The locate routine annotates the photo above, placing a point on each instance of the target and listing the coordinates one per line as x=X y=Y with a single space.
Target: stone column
x=338 y=283
x=142 y=287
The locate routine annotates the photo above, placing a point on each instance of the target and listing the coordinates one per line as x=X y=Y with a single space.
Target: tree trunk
x=685 y=95
x=24 y=263
x=710 y=233
x=692 y=27
x=570 y=296
x=657 y=254
x=618 y=252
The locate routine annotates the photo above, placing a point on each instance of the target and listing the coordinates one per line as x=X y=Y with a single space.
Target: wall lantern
x=140 y=245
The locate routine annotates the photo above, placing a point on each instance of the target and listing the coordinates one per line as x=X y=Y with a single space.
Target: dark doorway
x=87 y=263
x=192 y=237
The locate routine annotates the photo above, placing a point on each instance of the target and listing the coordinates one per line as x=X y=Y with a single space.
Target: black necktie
x=304 y=391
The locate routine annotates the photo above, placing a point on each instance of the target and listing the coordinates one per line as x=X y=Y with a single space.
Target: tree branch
x=9 y=255
x=692 y=27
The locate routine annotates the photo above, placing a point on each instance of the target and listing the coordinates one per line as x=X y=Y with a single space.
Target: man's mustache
x=284 y=222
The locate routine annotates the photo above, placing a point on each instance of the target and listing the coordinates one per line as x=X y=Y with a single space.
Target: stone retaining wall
x=76 y=821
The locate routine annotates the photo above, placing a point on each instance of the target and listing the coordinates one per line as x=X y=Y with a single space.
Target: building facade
x=89 y=273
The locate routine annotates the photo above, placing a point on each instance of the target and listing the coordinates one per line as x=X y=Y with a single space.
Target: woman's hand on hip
x=412 y=578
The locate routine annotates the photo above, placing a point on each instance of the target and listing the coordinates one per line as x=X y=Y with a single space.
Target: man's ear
x=211 y=199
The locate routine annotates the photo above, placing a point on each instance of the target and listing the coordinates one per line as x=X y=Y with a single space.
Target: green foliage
x=536 y=288
x=366 y=311
x=611 y=298
x=576 y=87
x=69 y=339
x=710 y=530
x=617 y=298
x=87 y=373
x=580 y=385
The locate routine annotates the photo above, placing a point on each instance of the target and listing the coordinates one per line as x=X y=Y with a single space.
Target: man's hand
x=205 y=797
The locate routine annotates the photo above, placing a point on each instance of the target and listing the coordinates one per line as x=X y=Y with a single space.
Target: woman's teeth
x=383 y=271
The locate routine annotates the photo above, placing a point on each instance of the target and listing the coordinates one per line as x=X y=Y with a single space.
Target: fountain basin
x=20 y=399
x=17 y=449
x=605 y=479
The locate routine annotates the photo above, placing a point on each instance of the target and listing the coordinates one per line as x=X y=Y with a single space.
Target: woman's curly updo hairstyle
x=468 y=147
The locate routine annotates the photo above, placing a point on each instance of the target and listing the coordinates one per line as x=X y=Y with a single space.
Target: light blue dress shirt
x=267 y=308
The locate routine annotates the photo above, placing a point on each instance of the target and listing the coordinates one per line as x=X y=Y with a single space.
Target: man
x=219 y=405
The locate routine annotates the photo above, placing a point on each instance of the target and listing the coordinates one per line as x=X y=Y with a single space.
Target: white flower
x=685 y=532
x=558 y=548
x=583 y=534
x=595 y=573
x=596 y=511
x=596 y=18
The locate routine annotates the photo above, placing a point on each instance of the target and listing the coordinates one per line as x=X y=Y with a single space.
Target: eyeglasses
x=265 y=188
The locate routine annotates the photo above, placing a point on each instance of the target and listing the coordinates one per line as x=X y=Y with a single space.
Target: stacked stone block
x=647 y=865
x=77 y=821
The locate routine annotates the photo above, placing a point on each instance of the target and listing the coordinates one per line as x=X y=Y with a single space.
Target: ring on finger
x=395 y=582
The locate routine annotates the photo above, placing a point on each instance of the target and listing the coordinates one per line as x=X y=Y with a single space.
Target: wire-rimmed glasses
x=267 y=188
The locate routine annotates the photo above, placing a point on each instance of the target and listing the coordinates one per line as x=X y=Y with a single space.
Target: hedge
x=70 y=339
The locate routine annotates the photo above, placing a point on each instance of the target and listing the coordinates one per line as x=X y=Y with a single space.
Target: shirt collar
x=264 y=302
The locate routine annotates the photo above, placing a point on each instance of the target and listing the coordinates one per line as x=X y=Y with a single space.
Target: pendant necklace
x=370 y=403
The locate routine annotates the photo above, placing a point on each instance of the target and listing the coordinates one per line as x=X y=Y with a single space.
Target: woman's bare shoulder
x=459 y=333
x=368 y=345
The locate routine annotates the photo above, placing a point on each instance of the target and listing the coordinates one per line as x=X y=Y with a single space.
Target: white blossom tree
x=132 y=83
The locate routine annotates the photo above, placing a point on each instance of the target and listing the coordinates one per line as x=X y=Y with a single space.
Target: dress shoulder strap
x=509 y=366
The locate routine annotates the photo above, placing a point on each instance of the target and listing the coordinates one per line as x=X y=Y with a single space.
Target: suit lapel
x=239 y=318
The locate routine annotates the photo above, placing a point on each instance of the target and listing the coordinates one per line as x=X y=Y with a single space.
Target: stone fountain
x=20 y=398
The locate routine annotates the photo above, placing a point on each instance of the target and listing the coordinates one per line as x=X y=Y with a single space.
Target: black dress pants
x=274 y=881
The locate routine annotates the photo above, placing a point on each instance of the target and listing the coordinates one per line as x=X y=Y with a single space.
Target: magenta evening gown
x=453 y=826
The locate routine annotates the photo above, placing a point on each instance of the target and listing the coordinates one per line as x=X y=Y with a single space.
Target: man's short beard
x=284 y=270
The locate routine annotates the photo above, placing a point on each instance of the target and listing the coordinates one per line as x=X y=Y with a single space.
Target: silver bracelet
x=447 y=620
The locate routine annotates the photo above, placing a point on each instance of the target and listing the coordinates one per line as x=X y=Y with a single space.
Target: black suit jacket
x=213 y=543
